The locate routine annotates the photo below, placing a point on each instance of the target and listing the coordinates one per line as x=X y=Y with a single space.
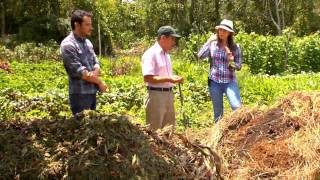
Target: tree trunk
x=279 y=27
x=99 y=36
x=108 y=44
x=191 y=12
x=276 y=21
x=216 y=10
x=245 y=7
x=287 y=46
x=282 y=13
x=3 y=19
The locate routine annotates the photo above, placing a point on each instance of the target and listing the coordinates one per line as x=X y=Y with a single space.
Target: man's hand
x=102 y=87
x=176 y=79
x=92 y=78
x=96 y=70
x=88 y=76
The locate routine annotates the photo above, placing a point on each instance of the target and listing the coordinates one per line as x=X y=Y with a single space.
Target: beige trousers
x=160 y=109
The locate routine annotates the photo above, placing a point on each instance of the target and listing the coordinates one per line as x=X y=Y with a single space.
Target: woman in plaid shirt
x=225 y=58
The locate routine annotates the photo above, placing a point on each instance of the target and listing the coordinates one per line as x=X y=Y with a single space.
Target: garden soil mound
x=100 y=146
x=282 y=141
x=277 y=142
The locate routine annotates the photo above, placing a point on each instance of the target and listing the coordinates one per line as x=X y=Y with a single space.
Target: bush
x=305 y=53
x=121 y=66
x=263 y=54
x=191 y=45
x=31 y=52
x=268 y=54
x=5 y=53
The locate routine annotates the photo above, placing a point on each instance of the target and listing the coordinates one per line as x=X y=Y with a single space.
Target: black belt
x=159 y=89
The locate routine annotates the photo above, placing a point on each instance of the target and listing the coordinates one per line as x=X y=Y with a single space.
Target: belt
x=159 y=89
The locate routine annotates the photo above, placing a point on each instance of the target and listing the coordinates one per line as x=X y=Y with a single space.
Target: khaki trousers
x=160 y=109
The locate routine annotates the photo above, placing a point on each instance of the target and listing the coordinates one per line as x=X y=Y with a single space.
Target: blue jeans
x=80 y=102
x=216 y=92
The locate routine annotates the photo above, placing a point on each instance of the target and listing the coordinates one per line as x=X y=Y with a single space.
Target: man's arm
x=75 y=69
x=71 y=61
x=92 y=78
x=96 y=70
x=149 y=75
x=96 y=67
x=162 y=79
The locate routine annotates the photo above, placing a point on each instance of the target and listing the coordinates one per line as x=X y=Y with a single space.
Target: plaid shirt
x=78 y=55
x=220 y=71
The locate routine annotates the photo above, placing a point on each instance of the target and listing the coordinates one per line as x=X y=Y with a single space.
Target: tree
x=119 y=23
x=3 y=18
x=276 y=12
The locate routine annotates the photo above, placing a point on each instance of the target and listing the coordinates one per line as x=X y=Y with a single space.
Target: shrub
x=268 y=54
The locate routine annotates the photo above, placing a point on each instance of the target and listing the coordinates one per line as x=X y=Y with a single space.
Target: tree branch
x=278 y=25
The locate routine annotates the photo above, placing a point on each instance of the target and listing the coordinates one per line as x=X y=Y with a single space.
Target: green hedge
x=269 y=54
x=31 y=52
x=263 y=54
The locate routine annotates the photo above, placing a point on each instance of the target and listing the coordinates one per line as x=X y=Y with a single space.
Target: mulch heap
x=279 y=142
x=100 y=146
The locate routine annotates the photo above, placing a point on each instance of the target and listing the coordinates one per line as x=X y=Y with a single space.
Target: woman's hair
x=230 y=42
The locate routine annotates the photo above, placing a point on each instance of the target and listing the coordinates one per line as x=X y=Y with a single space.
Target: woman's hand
x=213 y=37
x=228 y=51
x=230 y=58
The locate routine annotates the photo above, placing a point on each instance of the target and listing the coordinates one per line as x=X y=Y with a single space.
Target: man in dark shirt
x=81 y=64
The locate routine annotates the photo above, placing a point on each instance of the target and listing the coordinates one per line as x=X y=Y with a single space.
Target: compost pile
x=275 y=142
x=95 y=146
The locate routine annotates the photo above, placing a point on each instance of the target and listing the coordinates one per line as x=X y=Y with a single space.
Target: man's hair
x=77 y=16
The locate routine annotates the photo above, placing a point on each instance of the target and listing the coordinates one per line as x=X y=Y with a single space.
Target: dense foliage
x=40 y=90
x=124 y=22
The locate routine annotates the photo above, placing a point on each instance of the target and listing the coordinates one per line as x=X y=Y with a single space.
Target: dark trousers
x=80 y=102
